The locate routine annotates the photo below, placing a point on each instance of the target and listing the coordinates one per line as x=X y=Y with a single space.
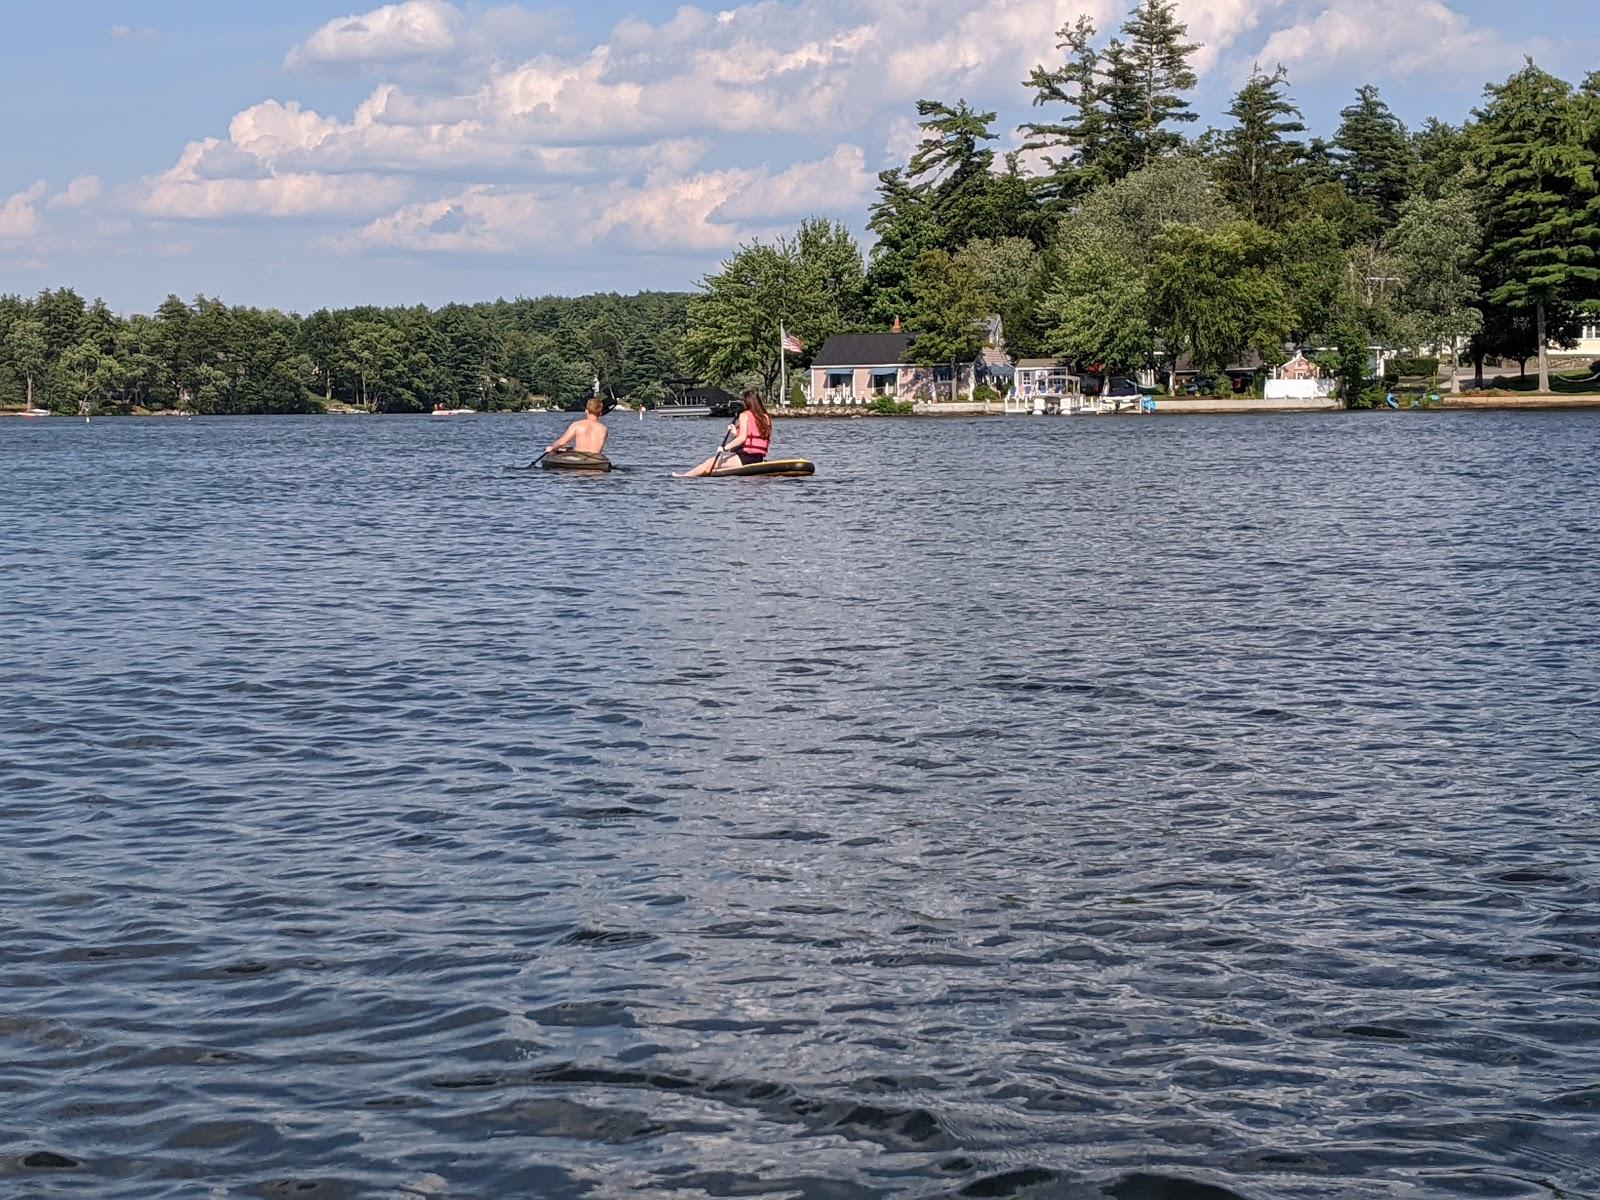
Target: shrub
x=1413 y=366
x=984 y=394
x=797 y=395
x=887 y=406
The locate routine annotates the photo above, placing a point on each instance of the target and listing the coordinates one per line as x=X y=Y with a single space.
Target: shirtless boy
x=587 y=435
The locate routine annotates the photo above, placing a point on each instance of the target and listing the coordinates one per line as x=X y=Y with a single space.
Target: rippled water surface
x=1150 y=808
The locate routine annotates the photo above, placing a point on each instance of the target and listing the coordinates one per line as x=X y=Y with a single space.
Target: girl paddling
x=748 y=438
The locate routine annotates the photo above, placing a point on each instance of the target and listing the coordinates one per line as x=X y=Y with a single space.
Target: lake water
x=1145 y=808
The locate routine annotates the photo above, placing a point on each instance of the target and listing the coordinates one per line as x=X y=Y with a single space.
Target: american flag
x=793 y=344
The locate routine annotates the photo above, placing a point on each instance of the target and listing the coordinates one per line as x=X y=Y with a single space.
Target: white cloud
x=19 y=215
x=81 y=193
x=190 y=190
x=507 y=138
x=671 y=211
x=394 y=33
x=1383 y=36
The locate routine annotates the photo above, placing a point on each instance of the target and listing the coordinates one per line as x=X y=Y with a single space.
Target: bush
x=984 y=394
x=797 y=394
x=1413 y=366
x=887 y=406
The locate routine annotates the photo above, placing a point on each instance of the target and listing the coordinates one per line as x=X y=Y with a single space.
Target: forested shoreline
x=1115 y=238
x=61 y=353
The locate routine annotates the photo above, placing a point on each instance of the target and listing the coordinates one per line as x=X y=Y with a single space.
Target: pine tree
x=1158 y=63
x=1539 y=163
x=1072 y=146
x=1121 y=101
x=1442 y=151
x=1373 y=156
x=903 y=222
x=1259 y=167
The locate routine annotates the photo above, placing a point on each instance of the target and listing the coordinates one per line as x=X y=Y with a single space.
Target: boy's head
x=595 y=406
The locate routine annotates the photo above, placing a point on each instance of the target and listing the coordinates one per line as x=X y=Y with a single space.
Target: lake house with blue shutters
x=858 y=368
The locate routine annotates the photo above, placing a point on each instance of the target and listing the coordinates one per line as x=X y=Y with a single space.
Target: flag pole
x=783 y=366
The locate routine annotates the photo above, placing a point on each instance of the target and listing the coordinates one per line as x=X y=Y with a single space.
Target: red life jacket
x=756 y=444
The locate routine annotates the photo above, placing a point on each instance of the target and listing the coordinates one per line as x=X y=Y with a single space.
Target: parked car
x=1206 y=385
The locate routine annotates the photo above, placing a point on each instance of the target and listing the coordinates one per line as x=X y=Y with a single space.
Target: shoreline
x=1165 y=406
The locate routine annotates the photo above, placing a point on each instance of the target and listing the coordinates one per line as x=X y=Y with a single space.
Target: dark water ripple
x=1164 y=810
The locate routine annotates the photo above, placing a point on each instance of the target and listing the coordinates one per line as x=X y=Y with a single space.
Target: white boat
x=454 y=412
x=669 y=409
x=32 y=412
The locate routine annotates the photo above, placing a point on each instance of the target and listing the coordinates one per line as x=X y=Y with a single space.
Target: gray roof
x=864 y=350
x=1037 y=363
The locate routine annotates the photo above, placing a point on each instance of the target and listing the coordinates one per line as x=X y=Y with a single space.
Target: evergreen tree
x=1072 y=145
x=1537 y=193
x=1157 y=60
x=902 y=221
x=1259 y=164
x=1373 y=156
x=1442 y=152
x=1120 y=101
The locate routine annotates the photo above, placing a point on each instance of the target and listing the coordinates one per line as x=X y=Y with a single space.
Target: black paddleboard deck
x=772 y=466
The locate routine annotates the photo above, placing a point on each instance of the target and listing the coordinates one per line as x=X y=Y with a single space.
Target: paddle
x=535 y=462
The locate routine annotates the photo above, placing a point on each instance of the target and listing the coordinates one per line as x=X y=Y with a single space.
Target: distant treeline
x=61 y=353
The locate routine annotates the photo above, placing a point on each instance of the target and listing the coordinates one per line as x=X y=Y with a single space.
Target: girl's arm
x=740 y=434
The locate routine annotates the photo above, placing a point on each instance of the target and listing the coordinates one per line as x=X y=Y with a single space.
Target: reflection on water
x=1145 y=808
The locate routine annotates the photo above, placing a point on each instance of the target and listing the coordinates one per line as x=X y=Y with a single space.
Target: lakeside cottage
x=858 y=368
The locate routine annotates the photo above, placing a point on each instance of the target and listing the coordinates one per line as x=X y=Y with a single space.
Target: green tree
x=1160 y=75
x=376 y=350
x=1073 y=143
x=88 y=373
x=1096 y=305
x=1436 y=247
x=1373 y=156
x=1259 y=166
x=1217 y=293
x=949 y=312
x=1443 y=153
x=810 y=284
x=28 y=352
x=1537 y=193
x=903 y=221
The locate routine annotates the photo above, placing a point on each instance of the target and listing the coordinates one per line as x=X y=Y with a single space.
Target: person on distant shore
x=748 y=438
x=587 y=434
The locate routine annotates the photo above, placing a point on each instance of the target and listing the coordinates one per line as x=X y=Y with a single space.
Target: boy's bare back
x=587 y=434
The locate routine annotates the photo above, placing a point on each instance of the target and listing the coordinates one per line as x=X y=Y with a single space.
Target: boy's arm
x=605 y=435
x=572 y=432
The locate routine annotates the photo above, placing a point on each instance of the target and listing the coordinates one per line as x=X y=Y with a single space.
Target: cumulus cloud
x=195 y=189
x=19 y=215
x=669 y=211
x=394 y=33
x=679 y=135
x=81 y=193
x=1385 y=36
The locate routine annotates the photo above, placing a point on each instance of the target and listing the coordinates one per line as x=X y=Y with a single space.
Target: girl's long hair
x=753 y=406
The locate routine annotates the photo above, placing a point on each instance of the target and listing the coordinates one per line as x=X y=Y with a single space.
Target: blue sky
x=305 y=153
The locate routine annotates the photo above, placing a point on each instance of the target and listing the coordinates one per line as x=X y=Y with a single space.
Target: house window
x=1591 y=333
